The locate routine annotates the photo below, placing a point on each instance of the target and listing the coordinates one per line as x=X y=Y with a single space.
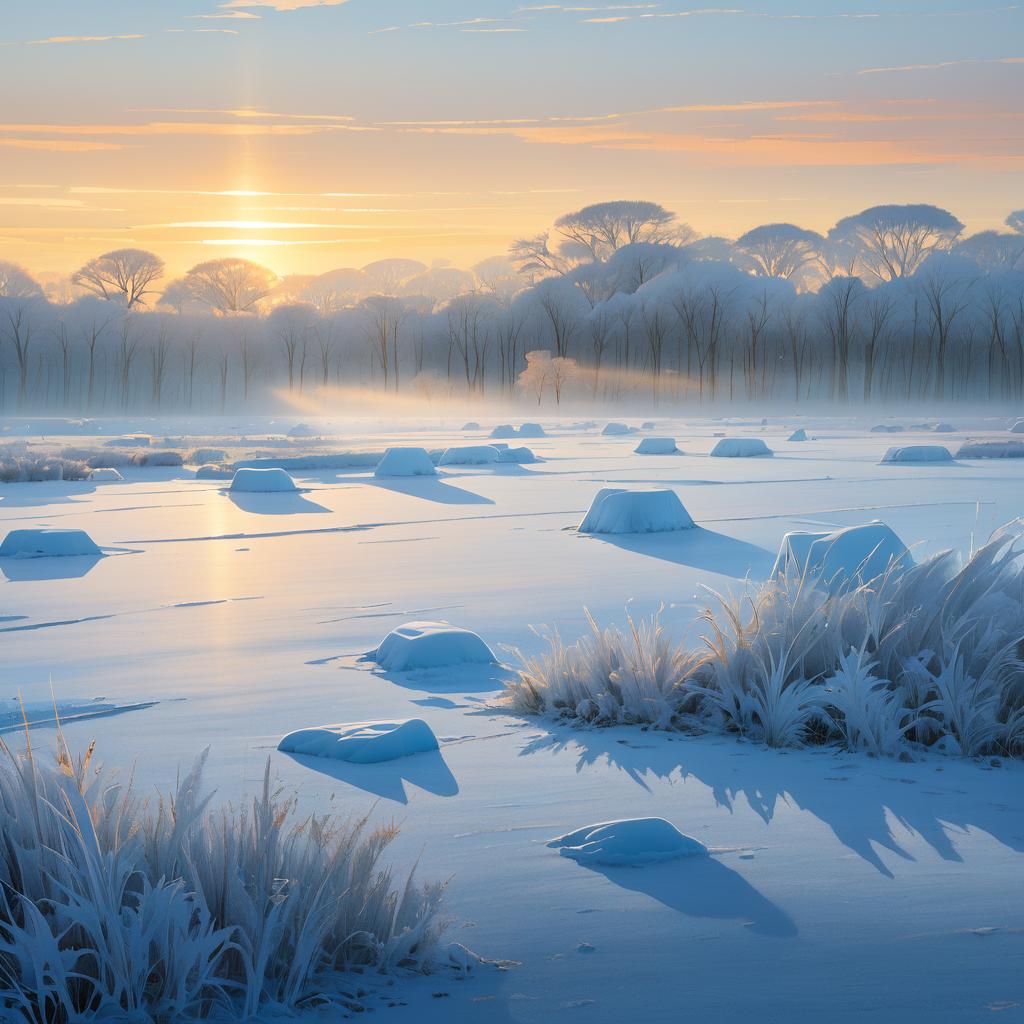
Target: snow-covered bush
x=921 y=656
x=16 y=469
x=111 y=909
x=155 y=459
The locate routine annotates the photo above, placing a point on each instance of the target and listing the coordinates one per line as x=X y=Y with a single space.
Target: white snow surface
x=615 y=510
x=425 y=645
x=657 y=446
x=740 y=448
x=918 y=453
x=362 y=742
x=47 y=543
x=895 y=885
x=405 y=462
x=629 y=841
x=105 y=475
x=262 y=481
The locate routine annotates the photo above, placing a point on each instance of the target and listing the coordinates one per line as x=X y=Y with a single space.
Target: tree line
x=618 y=302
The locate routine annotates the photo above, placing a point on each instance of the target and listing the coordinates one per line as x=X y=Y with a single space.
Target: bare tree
x=123 y=275
x=17 y=283
x=779 y=250
x=230 y=286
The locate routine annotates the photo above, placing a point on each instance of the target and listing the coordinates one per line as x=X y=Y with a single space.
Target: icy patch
x=105 y=475
x=262 y=480
x=918 y=453
x=362 y=742
x=740 y=448
x=631 y=841
x=16 y=715
x=405 y=462
x=657 y=446
x=855 y=553
x=47 y=544
x=470 y=455
x=617 y=429
x=991 y=450
x=798 y=435
x=420 y=645
x=618 y=511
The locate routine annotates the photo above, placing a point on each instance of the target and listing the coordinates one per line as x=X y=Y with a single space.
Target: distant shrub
x=32 y=469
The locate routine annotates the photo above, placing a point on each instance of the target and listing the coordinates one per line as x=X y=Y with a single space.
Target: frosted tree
x=124 y=275
x=230 y=285
x=17 y=283
x=779 y=250
x=993 y=251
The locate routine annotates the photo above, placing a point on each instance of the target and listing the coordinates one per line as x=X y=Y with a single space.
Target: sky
x=315 y=134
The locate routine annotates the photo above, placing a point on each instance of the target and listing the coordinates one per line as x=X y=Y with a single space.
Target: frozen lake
x=844 y=888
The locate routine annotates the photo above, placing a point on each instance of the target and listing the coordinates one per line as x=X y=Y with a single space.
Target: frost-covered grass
x=114 y=909
x=16 y=469
x=923 y=657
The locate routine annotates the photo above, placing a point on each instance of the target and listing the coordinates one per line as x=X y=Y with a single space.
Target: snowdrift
x=418 y=645
x=798 y=435
x=471 y=425
x=532 y=430
x=405 y=462
x=503 y=431
x=657 y=446
x=854 y=554
x=301 y=430
x=617 y=429
x=362 y=742
x=262 y=481
x=943 y=428
x=740 y=448
x=631 y=841
x=518 y=456
x=213 y=473
x=886 y=428
x=614 y=510
x=43 y=543
x=918 y=453
x=1018 y=427
x=470 y=455
x=991 y=450
x=105 y=475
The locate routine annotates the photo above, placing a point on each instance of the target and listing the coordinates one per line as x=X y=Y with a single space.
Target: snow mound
x=262 y=480
x=154 y=459
x=631 y=841
x=106 y=475
x=470 y=455
x=532 y=430
x=617 y=429
x=502 y=431
x=213 y=473
x=471 y=425
x=740 y=448
x=798 y=435
x=657 y=446
x=1018 y=427
x=614 y=510
x=944 y=428
x=991 y=450
x=430 y=645
x=886 y=428
x=301 y=430
x=918 y=453
x=363 y=742
x=519 y=456
x=856 y=553
x=405 y=462
x=133 y=441
x=47 y=544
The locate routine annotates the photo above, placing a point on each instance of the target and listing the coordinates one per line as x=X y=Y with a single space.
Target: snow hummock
x=210 y=472
x=1018 y=427
x=418 y=645
x=630 y=841
x=516 y=455
x=657 y=446
x=615 y=510
x=615 y=429
x=918 y=453
x=798 y=435
x=886 y=428
x=470 y=455
x=943 y=428
x=405 y=462
x=503 y=430
x=853 y=553
x=105 y=475
x=301 y=430
x=740 y=448
x=362 y=742
x=531 y=430
x=471 y=425
x=991 y=450
x=42 y=543
x=262 y=480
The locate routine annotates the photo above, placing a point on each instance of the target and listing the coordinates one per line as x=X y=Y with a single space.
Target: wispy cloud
x=940 y=65
x=57 y=40
x=281 y=5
